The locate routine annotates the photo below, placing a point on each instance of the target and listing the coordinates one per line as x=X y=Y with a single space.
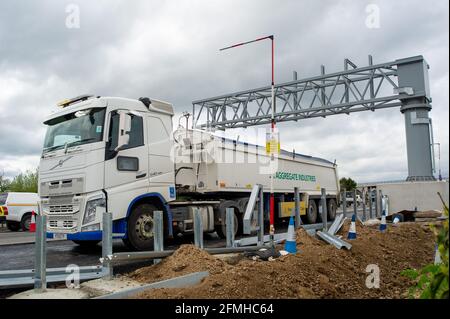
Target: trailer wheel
x=331 y=209
x=222 y=228
x=140 y=228
x=311 y=213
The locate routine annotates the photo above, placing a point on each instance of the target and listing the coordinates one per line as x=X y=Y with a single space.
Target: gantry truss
x=355 y=89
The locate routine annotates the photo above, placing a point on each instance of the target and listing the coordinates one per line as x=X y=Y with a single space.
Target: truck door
x=126 y=169
x=161 y=166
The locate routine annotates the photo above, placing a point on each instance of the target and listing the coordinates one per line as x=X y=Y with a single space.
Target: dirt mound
x=185 y=260
x=319 y=270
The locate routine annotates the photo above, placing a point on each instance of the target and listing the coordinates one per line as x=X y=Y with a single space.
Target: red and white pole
x=272 y=196
x=272 y=156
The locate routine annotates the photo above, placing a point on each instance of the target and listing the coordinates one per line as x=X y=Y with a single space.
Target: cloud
x=169 y=50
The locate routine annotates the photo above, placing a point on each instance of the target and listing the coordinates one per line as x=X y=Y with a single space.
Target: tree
x=347 y=183
x=24 y=182
x=4 y=182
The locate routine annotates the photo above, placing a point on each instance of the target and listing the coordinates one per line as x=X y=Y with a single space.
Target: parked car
x=17 y=208
x=349 y=199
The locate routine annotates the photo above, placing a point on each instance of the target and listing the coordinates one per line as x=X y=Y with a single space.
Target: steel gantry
x=401 y=83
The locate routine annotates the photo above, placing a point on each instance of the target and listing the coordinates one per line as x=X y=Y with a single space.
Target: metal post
x=40 y=279
x=344 y=202
x=364 y=204
x=355 y=204
x=370 y=203
x=298 y=221
x=158 y=239
x=107 y=239
x=261 y=216
x=381 y=203
x=324 y=210
x=376 y=203
x=230 y=226
x=198 y=228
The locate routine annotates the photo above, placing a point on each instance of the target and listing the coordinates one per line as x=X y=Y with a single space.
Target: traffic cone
x=383 y=225
x=352 y=231
x=291 y=243
x=33 y=222
x=396 y=221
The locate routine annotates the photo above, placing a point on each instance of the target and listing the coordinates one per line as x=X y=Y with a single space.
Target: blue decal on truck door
x=172 y=191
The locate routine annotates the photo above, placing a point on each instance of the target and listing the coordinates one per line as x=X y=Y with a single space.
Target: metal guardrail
x=23 y=278
x=41 y=275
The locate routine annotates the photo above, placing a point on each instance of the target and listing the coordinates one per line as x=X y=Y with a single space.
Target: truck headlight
x=91 y=209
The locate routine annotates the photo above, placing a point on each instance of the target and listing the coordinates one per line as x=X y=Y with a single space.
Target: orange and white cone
x=33 y=222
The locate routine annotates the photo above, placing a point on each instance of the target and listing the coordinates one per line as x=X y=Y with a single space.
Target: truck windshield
x=81 y=127
x=3 y=198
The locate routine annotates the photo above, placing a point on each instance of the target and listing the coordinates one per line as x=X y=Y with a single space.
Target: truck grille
x=61 y=209
x=61 y=224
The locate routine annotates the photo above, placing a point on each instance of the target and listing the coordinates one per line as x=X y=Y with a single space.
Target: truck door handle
x=141 y=175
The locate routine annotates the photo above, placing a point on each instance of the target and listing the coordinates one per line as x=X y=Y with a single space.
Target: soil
x=318 y=270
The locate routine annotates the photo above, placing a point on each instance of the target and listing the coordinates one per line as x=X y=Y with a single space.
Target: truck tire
x=311 y=212
x=13 y=226
x=140 y=228
x=331 y=209
x=222 y=228
x=25 y=222
x=86 y=243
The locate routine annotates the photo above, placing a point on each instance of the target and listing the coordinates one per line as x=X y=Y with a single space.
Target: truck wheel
x=311 y=212
x=331 y=209
x=222 y=228
x=140 y=228
x=13 y=226
x=26 y=221
x=86 y=243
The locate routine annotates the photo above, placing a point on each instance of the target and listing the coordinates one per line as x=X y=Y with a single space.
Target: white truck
x=17 y=208
x=121 y=155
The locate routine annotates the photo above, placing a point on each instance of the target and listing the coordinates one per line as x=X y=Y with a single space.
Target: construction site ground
x=318 y=270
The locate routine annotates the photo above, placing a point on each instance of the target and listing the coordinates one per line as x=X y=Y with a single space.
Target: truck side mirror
x=124 y=130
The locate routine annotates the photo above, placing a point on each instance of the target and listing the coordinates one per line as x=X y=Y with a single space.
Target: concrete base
x=89 y=289
x=100 y=287
x=53 y=294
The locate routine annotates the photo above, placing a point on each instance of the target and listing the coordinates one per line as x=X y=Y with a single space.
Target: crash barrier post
x=298 y=221
x=230 y=226
x=40 y=263
x=198 y=228
x=107 y=242
x=324 y=209
x=344 y=202
x=158 y=239
x=260 y=233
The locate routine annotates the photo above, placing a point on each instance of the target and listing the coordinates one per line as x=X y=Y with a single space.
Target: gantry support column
x=413 y=80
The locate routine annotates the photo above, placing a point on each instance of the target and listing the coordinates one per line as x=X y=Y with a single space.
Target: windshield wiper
x=52 y=148
x=79 y=142
x=66 y=145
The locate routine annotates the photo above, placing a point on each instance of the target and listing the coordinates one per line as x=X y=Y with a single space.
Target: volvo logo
x=61 y=162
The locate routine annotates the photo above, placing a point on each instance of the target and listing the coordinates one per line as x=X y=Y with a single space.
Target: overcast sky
x=169 y=50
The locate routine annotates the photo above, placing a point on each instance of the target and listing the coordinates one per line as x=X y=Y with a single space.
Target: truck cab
x=106 y=154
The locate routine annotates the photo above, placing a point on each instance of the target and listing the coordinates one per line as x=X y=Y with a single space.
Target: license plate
x=59 y=236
